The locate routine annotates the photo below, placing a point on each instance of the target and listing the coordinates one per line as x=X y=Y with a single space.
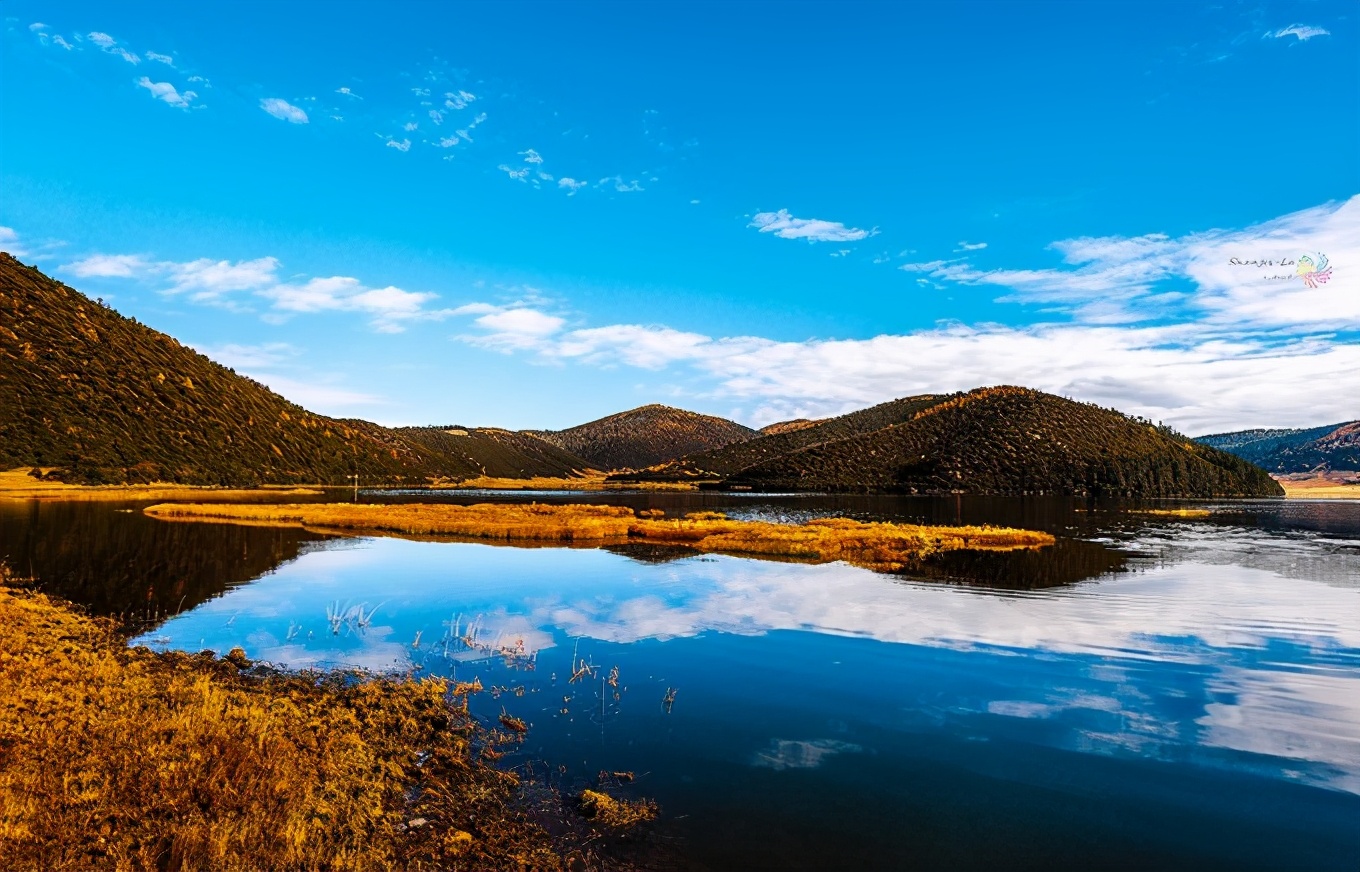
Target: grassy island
x=880 y=546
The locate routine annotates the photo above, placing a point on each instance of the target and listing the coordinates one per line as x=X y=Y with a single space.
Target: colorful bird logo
x=1314 y=274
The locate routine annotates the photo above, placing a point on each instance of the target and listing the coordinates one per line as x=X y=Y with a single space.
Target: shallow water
x=1155 y=693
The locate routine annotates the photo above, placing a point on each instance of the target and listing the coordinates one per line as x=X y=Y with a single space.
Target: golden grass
x=1319 y=489
x=118 y=758
x=1175 y=513
x=594 y=481
x=18 y=484
x=887 y=547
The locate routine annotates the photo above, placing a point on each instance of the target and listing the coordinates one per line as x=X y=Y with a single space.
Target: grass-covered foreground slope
x=118 y=758
x=887 y=547
x=1333 y=447
x=106 y=399
x=1011 y=440
x=647 y=436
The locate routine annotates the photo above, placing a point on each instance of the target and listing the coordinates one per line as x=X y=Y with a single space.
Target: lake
x=1152 y=692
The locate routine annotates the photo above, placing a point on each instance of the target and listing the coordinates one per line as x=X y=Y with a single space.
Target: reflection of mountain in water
x=650 y=552
x=119 y=562
x=1065 y=562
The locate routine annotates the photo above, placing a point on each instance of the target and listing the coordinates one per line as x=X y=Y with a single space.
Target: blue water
x=1192 y=702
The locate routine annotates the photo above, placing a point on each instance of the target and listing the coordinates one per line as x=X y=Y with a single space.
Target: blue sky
x=533 y=215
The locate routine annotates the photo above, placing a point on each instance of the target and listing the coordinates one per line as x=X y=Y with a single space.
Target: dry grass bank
x=18 y=484
x=875 y=546
x=1321 y=487
x=118 y=758
x=595 y=481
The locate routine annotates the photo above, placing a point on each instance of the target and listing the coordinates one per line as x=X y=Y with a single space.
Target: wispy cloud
x=123 y=266
x=571 y=185
x=110 y=45
x=166 y=93
x=402 y=145
x=1301 y=32
x=785 y=226
x=36 y=26
x=519 y=174
x=9 y=241
x=223 y=282
x=348 y=93
x=531 y=156
x=160 y=58
x=458 y=99
x=283 y=110
x=1237 y=356
x=971 y=246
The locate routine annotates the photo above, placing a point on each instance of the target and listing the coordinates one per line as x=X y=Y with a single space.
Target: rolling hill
x=1004 y=440
x=779 y=440
x=104 y=398
x=646 y=436
x=1011 y=440
x=1333 y=447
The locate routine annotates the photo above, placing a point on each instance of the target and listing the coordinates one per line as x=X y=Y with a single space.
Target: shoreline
x=878 y=546
x=217 y=762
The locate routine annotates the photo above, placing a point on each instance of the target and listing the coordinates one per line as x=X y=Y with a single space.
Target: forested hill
x=780 y=440
x=1012 y=440
x=106 y=399
x=646 y=436
x=1333 y=447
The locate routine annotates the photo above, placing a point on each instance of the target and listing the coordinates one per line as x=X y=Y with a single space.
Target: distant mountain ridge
x=1334 y=446
x=646 y=436
x=106 y=399
x=1003 y=440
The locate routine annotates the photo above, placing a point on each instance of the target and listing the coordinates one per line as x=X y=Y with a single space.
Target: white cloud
x=618 y=184
x=283 y=110
x=37 y=25
x=388 y=307
x=531 y=156
x=403 y=145
x=421 y=92
x=348 y=93
x=572 y=185
x=208 y=280
x=124 y=266
x=437 y=117
x=971 y=246
x=785 y=226
x=1244 y=352
x=166 y=93
x=221 y=282
x=110 y=45
x=160 y=58
x=250 y=356
x=410 y=126
x=519 y=174
x=1126 y=279
x=458 y=99
x=1303 y=32
x=9 y=241
x=61 y=41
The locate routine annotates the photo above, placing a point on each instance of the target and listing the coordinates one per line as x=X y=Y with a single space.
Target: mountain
x=646 y=436
x=106 y=399
x=1012 y=440
x=1335 y=446
x=1003 y=440
x=780 y=440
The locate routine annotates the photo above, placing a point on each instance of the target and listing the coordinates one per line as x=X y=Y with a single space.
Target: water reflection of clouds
x=1180 y=657
x=790 y=754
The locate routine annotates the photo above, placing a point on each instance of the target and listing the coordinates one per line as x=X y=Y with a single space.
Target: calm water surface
x=1152 y=693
